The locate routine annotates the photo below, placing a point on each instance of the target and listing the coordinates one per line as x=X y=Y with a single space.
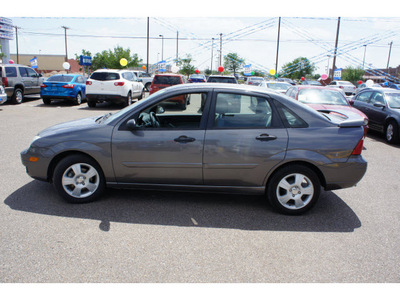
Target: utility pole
x=336 y=44
x=162 y=46
x=147 y=64
x=365 y=50
x=16 y=39
x=212 y=47
x=177 y=39
x=390 y=50
x=220 y=49
x=66 y=47
x=277 y=45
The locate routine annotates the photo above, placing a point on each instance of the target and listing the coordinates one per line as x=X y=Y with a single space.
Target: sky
x=250 y=29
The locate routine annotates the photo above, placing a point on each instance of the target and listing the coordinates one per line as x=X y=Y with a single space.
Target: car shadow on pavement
x=243 y=212
x=380 y=137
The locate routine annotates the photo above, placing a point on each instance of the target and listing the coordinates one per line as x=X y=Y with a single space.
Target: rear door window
x=22 y=72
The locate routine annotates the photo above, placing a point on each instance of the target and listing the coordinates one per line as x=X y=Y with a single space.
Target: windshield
x=393 y=100
x=60 y=78
x=321 y=96
x=221 y=79
x=109 y=118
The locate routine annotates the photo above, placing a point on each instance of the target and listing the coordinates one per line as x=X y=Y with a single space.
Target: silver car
x=231 y=138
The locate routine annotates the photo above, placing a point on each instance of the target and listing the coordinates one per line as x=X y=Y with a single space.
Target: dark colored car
x=197 y=78
x=64 y=86
x=234 y=139
x=382 y=106
x=162 y=81
x=327 y=100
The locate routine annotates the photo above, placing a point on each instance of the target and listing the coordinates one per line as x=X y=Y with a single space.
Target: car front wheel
x=79 y=179
x=392 y=133
x=294 y=189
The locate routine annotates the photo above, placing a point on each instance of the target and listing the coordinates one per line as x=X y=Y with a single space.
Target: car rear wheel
x=46 y=101
x=17 y=96
x=128 y=100
x=91 y=103
x=147 y=86
x=294 y=189
x=78 y=99
x=141 y=95
x=79 y=179
x=392 y=132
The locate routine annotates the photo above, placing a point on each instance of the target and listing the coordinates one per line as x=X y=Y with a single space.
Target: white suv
x=346 y=86
x=119 y=86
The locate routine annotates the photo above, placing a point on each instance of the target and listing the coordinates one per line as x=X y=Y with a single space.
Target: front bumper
x=3 y=98
x=35 y=169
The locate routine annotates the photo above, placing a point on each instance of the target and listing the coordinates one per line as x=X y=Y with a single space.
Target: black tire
x=392 y=132
x=91 y=103
x=147 y=86
x=18 y=96
x=78 y=99
x=293 y=190
x=128 y=100
x=46 y=100
x=79 y=179
x=141 y=95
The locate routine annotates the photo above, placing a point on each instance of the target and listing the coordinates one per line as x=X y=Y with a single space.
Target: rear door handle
x=184 y=139
x=266 y=137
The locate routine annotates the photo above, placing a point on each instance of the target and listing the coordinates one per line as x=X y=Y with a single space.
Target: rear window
x=221 y=79
x=11 y=71
x=168 y=80
x=60 y=78
x=104 y=76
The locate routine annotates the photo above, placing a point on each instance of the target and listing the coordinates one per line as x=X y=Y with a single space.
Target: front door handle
x=184 y=139
x=266 y=137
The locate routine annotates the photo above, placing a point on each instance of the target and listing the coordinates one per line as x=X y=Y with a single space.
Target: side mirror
x=131 y=124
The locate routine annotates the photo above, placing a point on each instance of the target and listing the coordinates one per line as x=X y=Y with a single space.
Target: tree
x=110 y=59
x=352 y=74
x=300 y=67
x=1 y=52
x=232 y=62
x=186 y=68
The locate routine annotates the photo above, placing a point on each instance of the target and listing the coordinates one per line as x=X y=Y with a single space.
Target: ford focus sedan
x=231 y=138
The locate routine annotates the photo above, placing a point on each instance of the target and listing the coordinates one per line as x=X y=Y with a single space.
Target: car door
x=244 y=141
x=166 y=145
x=26 y=80
x=377 y=111
x=361 y=102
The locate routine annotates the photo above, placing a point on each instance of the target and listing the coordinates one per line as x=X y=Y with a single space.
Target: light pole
x=66 y=48
x=212 y=47
x=365 y=49
x=162 y=46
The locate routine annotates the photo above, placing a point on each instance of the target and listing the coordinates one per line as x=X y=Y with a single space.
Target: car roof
x=225 y=76
x=169 y=74
x=112 y=70
x=304 y=87
x=381 y=89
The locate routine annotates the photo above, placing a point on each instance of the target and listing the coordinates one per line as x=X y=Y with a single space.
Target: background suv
x=119 y=86
x=19 y=80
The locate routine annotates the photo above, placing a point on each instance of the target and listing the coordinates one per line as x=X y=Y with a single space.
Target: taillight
x=69 y=86
x=43 y=85
x=5 y=81
x=341 y=87
x=358 y=149
x=250 y=82
x=88 y=82
x=119 y=83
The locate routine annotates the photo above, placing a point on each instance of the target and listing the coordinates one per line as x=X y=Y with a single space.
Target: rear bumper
x=344 y=175
x=3 y=98
x=103 y=97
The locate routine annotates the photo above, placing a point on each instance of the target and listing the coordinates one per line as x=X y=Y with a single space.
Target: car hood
x=341 y=109
x=71 y=126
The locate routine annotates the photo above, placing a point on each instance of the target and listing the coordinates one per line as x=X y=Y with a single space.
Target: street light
x=162 y=46
x=365 y=49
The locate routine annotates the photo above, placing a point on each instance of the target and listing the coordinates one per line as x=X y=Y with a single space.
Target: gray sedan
x=230 y=138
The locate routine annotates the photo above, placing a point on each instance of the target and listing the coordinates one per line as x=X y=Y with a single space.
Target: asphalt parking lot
x=351 y=235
